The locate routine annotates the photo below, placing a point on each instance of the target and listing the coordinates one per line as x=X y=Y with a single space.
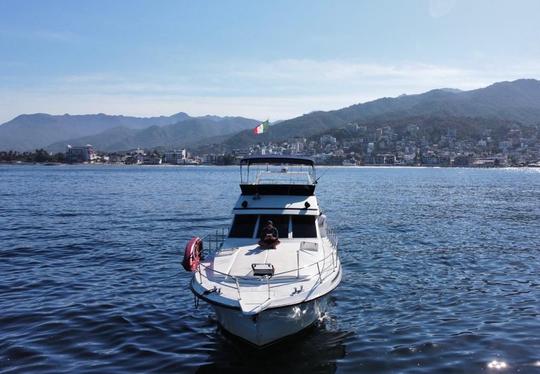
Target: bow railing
x=325 y=268
x=213 y=242
x=330 y=233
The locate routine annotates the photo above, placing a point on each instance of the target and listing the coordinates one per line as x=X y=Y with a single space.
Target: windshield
x=244 y=226
x=304 y=227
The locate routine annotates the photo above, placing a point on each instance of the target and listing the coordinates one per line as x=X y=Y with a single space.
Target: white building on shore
x=80 y=153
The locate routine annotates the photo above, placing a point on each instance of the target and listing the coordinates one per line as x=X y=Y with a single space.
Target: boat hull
x=271 y=325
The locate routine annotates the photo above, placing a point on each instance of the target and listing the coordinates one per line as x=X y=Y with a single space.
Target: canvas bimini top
x=277 y=175
x=279 y=160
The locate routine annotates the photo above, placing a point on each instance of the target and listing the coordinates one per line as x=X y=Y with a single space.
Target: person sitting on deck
x=269 y=235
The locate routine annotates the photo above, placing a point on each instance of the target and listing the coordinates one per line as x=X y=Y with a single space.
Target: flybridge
x=277 y=175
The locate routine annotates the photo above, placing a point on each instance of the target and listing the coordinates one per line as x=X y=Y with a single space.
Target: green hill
x=506 y=101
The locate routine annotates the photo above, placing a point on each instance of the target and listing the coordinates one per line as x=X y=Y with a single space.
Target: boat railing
x=323 y=265
x=213 y=242
x=331 y=235
x=283 y=177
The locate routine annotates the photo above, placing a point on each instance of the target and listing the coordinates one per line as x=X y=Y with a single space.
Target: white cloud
x=276 y=78
x=334 y=74
x=259 y=107
x=277 y=89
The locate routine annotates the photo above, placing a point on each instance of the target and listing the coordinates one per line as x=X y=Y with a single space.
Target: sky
x=261 y=59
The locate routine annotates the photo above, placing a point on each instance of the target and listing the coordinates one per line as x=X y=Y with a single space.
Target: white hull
x=271 y=324
x=261 y=294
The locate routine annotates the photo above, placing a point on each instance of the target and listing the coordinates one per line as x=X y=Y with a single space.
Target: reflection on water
x=497 y=365
x=316 y=349
x=440 y=272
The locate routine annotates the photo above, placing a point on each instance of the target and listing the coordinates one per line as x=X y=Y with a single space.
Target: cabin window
x=280 y=222
x=304 y=227
x=243 y=226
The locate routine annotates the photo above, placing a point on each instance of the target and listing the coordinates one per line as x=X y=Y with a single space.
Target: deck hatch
x=263 y=270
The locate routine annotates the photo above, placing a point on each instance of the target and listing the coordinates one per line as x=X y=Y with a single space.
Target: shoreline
x=22 y=163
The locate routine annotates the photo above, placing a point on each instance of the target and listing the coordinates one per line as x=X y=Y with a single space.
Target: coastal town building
x=356 y=144
x=80 y=154
x=176 y=157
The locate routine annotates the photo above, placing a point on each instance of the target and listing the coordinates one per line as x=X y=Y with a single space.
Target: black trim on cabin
x=278 y=189
x=277 y=160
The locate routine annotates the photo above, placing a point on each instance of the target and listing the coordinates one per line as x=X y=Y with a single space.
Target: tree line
x=39 y=155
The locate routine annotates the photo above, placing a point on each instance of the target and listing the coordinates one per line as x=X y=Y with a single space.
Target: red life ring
x=193 y=254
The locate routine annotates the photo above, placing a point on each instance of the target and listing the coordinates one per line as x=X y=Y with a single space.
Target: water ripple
x=440 y=272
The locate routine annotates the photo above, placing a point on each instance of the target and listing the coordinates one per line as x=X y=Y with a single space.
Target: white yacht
x=259 y=293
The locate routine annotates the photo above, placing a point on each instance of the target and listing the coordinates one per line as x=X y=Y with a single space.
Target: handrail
x=292 y=177
x=331 y=235
x=214 y=241
x=237 y=279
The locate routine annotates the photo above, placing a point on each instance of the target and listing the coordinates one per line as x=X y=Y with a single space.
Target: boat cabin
x=280 y=189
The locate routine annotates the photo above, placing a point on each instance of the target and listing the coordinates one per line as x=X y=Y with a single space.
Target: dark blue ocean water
x=441 y=272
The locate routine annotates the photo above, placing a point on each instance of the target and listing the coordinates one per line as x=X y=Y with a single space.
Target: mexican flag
x=262 y=128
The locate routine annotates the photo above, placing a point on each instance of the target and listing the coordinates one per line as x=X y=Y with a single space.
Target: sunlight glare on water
x=498 y=365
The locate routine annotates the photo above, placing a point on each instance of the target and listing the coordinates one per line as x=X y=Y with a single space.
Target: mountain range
x=114 y=133
x=187 y=133
x=517 y=101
